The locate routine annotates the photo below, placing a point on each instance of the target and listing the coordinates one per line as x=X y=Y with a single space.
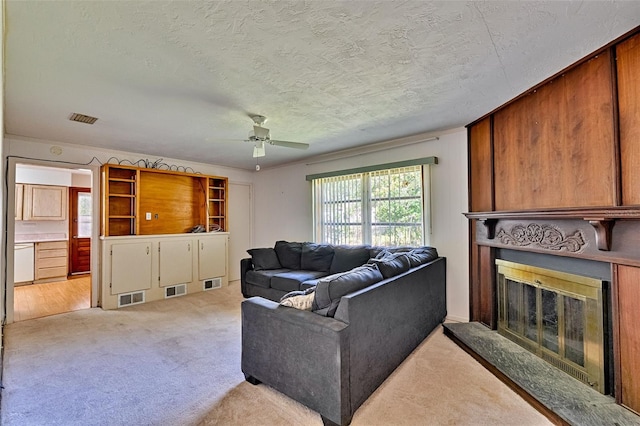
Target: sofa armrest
x=299 y=353
x=246 y=265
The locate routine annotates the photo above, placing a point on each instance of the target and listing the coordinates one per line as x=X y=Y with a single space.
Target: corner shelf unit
x=120 y=186
x=140 y=201
x=216 y=204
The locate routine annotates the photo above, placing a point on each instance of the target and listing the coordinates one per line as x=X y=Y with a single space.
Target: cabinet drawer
x=49 y=245
x=45 y=254
x=43 y=273
x=51 y=262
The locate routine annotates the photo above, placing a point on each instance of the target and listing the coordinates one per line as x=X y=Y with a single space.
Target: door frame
x=11 y=226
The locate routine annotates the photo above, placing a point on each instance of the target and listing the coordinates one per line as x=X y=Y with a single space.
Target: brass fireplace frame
x=585 y=289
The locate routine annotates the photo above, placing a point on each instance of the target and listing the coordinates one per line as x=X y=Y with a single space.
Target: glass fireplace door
x=555 y=315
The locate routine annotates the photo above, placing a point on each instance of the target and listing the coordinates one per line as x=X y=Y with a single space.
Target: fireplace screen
x=555 y=315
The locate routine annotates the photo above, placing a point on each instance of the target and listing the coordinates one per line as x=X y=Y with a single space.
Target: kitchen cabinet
x=51 y=260
x=44 y=202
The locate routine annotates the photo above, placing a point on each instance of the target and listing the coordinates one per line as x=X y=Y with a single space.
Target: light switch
x=147 y=216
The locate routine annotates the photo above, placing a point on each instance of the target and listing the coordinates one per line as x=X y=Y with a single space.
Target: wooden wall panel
x=480 y=167
x=555 y=147
x=628 y=66
x=487 y=285
x=628 y=303
x=176 y=199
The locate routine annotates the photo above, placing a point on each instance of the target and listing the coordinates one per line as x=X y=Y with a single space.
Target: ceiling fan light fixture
x=258 y=149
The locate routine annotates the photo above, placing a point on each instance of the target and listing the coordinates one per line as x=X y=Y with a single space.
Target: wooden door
x=80 y=230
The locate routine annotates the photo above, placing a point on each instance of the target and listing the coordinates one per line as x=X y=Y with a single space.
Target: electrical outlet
x=147 y=216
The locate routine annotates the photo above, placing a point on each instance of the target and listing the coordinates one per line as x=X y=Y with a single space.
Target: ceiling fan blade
x=296 y=145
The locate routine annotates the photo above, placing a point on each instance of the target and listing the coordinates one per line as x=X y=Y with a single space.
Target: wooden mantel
x=601 y=219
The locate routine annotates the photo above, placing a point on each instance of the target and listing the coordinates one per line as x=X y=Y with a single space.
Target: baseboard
x=456 y=318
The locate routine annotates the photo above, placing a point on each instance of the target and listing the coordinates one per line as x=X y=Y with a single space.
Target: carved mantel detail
x=543 y=236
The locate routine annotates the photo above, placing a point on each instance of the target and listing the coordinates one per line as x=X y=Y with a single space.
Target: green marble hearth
x=570 y=401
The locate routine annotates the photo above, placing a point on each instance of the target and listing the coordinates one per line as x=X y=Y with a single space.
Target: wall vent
x=127 y=299
x=212 y=283
x=175 y=291
x=81 y=118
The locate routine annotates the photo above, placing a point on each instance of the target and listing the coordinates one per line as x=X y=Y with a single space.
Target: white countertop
x=37 y=238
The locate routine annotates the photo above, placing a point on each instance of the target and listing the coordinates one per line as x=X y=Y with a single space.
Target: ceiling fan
x=261 y=135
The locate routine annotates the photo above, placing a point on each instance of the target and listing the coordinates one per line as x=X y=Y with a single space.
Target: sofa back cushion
x=346 y=258
x=422 y=255
x=264 y=258
x=316 y=257
x=289 y=254
x=392 y=264
x=330 y=289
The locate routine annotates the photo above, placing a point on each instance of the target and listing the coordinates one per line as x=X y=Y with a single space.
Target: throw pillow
x=289 y=254
x=264 y=258
x=392 y=264
x=316 y=257
x=302 y=302
x=422 y=255
x=330 y=289
x=299 y=299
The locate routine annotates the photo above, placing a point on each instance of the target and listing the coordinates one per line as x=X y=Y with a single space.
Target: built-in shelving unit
x=140 y=201
x=120 y=190
x=216 y=204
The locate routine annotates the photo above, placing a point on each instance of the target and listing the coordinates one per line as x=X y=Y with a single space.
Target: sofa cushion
x=291 y=280
x=392 y=264
x=346 y=258
x=312 y=283
x=262 y=278
x=289 y=254
x=330 y=289
x=316 y=257
x=264 y=258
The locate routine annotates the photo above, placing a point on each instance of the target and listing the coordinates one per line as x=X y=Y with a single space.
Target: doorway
x=60 y=279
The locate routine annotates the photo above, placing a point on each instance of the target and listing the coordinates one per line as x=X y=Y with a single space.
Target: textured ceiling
x=178 y=79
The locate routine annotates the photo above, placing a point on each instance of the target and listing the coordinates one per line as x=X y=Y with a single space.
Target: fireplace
x=557 y=316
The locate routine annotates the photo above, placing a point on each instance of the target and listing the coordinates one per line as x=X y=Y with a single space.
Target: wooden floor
x=41 y=300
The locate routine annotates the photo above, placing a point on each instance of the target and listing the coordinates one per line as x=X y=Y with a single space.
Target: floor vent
x=212 y=283
x=175 y=290
x=127 y=299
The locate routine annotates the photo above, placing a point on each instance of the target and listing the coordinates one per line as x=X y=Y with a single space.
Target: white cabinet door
x=176 y=262
x=212 y=257
x=44 y=202
x=130 y=267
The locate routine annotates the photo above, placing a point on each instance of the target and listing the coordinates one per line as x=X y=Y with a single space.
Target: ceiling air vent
x=81 y=118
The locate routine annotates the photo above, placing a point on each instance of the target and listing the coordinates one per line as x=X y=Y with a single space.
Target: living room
x=281 y=202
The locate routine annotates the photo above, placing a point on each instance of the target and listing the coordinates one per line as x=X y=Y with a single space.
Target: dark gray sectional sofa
x=363 y=323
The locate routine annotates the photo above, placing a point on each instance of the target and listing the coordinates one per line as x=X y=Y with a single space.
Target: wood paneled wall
x=573 y=142
x=555 y=146
x=628 y=66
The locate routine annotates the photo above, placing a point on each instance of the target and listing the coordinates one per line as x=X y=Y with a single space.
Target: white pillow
x=303 y=302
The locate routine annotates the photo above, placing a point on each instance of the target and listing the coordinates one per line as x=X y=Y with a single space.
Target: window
x=379 y=207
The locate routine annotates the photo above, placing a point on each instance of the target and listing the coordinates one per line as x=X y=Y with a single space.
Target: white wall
x=282 y=196
x=283 y=203
x=2 y=187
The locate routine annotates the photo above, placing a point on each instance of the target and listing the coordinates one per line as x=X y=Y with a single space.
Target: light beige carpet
x=177 y=362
